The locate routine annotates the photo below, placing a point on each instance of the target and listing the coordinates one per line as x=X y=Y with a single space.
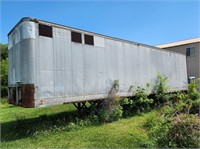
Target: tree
x=4 y=69
x=4 y=51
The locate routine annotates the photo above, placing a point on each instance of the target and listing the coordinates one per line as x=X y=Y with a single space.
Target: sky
x=151 y=22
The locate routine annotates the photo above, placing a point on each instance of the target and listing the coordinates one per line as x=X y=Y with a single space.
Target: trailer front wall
x=21 y=64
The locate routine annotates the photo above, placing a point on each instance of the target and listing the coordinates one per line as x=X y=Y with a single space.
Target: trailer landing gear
x=86 y=105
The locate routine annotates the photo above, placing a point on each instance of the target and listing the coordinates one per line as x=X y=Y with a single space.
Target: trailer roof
x=76 y=29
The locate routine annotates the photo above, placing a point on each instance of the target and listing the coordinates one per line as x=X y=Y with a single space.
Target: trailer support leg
x=78 y=106
x=82 y=105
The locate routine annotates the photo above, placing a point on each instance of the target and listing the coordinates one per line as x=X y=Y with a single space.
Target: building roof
x=178 y=43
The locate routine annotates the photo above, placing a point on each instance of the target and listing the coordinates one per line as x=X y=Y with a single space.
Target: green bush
x=127 y=106
x=4 y=91
x=157 y=125
x=189 y=102
x=116 y=113
x=138 y=103
x=177 y=126
x=94 y=119
x=152 y=121
x=180 y=131
x=110 y=110
x=161 y=96
x=141 y=99
x=194 y=96
x=184 y=132
x=4 y=100
x=83 y=122
x=193 y=93
x=161 y=84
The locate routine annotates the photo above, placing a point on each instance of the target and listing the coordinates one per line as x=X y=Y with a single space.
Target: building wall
x=193 y=62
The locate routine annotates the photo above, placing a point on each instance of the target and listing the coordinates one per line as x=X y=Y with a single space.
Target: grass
x=9 y=112
x=46 y=128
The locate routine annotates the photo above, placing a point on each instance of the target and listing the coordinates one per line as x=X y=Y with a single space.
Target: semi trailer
x=54 y=64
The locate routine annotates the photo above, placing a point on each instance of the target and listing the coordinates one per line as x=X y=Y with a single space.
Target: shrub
x=157 y=125
x=161 y=84
x=94 y=119
x=140 y=102
x=179 y=131
x=4 y=100
x=176 y=126
x=194 y=96
x=116 y=113
x=189 y=102
x=4 y=91
x=110 y=110
x=160 y=90
x=127 y=106
x=193 y=93
x=152 y=121
x=83 y=122
x=106 y=110
x=184 y=131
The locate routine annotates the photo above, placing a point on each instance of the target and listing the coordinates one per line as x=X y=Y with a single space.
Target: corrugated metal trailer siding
x=71 y=71
x=65 y=71
x=193 y=62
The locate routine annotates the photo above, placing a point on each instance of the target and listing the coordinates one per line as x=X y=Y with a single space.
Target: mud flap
x=27 y=95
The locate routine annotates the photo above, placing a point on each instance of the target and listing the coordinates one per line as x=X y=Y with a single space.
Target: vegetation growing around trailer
x=160 y=120
x=178 y=125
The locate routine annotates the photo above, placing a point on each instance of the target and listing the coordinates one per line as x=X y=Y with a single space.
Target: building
x=54 y=64
x=190 y=48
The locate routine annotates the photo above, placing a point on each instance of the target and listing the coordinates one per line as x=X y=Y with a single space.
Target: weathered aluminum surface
x=22 y=62
x=64 y=71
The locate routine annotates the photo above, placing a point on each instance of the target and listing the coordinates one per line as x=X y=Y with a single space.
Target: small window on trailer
x=45 y=30
x=190 y=51
x=76 y=37
x=89 y=39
